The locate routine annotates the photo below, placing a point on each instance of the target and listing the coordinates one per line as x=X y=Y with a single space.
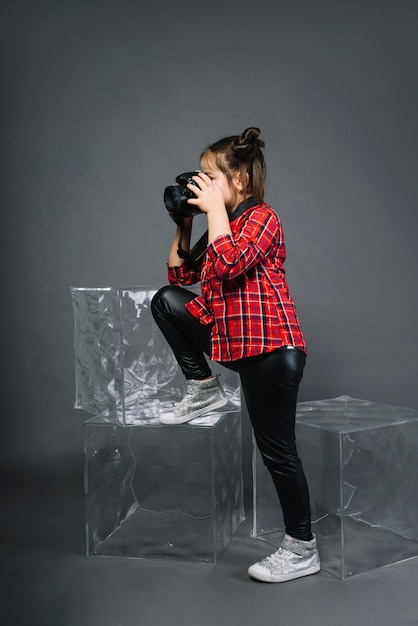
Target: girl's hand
x=209 y=197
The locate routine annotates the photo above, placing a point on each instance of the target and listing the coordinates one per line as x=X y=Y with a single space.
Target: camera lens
x=173 y=198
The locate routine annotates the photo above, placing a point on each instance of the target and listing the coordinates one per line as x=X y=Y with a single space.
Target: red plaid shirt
x=244 y=290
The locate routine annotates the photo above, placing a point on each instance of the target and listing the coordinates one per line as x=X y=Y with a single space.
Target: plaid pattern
x=244 y=290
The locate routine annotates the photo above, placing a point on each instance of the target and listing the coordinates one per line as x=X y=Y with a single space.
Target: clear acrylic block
x=163 y=492
x=360 y=459
x=124 y=368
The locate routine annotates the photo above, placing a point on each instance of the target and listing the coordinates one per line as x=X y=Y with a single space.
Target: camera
x=176 y=196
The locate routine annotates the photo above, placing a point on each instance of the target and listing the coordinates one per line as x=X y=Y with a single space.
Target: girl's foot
x=294 y=558
x=202 y=396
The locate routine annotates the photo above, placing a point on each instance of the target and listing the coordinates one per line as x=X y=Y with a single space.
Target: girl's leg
x=270 y=385
x=188 y=339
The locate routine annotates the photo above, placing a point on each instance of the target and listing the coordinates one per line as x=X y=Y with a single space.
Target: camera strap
x=197 y=251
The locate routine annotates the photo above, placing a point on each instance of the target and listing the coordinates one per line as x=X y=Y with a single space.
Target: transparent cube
x=164 y=492
x=360 y=459
x=124 y=368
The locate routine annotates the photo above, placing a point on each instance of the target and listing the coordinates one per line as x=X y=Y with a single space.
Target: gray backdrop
x=104 y=102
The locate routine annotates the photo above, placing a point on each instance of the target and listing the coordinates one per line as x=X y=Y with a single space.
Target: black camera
x=176 y=196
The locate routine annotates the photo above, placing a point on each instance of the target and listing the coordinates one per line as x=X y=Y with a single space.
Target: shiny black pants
x=270 y=384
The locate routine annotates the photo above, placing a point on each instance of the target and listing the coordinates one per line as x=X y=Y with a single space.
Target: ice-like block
x=125 y=370
x=360 y=459
x=165 y=492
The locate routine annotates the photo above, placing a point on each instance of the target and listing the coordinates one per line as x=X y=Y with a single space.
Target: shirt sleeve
x=183 y=275
x=233 y=255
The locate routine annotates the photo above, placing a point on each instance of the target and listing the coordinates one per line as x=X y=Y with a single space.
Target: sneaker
x=294 y=558
x=202 y=396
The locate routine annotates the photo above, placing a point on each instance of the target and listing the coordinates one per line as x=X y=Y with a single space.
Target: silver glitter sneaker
x=294 y=558
x=202 y=396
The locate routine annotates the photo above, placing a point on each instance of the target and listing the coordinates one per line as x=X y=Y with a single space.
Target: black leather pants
x=270 y=384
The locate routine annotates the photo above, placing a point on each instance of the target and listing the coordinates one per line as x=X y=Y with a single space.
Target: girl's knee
x=168 y=302
x=161 y=296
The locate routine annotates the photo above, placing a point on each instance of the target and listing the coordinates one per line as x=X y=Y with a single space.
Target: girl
x=246 y=319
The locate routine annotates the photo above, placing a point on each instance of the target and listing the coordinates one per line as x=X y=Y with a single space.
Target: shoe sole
x=282 y=578
x=170 y=418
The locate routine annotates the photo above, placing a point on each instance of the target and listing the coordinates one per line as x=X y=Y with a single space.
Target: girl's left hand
x=208 y=196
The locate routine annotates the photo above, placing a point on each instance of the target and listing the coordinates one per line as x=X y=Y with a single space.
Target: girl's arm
x=218 y=224
x=180 y=272
x=173 y=258
x=261 y=235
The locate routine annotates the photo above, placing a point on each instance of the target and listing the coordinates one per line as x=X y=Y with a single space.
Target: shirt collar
x=243 y=206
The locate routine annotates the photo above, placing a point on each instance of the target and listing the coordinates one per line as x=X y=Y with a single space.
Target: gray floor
x=48 y=580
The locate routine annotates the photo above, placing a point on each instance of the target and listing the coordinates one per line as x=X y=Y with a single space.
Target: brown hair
x=242 y=153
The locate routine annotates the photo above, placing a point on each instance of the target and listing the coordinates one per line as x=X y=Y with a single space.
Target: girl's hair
x=242 y=153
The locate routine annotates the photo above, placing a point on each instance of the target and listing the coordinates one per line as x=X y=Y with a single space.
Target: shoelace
x=277 y=558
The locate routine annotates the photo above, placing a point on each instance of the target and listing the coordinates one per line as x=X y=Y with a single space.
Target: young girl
x=246 y=319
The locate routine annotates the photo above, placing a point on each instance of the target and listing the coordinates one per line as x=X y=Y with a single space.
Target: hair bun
x=246 y=145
